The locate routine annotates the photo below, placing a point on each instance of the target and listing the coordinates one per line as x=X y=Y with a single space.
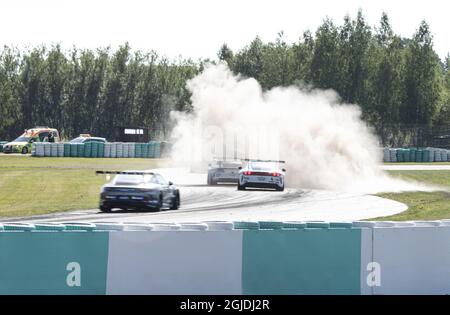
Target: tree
x=324 y=67
x=423 y=79
x=226 y=54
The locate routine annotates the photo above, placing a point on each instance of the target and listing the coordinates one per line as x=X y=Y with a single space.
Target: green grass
x=422 y=205
x=31 y=186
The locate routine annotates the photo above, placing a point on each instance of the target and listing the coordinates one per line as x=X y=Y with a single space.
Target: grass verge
x=31 y=186
x=422 y=205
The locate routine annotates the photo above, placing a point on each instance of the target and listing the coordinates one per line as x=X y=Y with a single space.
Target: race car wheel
x=241 y=187
x=105 y=209
x=280 y=188
x=175 y=202
x=209 y=182
x=160 y=204
x=24 y=150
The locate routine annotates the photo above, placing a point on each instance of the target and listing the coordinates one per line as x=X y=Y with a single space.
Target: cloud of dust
x=325 y=143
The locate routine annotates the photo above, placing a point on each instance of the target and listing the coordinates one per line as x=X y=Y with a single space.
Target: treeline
x=90 y=91
x=400 y=83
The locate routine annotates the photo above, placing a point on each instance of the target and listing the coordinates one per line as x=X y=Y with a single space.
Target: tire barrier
x=98 y=150
x=107 y=150
x=416 y=155
x=113 y=150
x=47 y=149
x=220 y=257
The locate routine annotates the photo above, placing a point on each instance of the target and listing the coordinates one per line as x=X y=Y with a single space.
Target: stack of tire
x=88 y=149
x=419 y=155
x=393 y=155
x=138 y=148
x=119 y=149
x=54 y=149
x=37 y=149
x=107 y=150
x=125 y=150
x=131 y=150
x=153 y=149
x=386 y=155
x=47 y=149
x=113 y=150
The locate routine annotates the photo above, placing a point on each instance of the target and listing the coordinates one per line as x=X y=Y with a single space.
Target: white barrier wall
x=185 y=262
x=360 y=258
x=412 y=260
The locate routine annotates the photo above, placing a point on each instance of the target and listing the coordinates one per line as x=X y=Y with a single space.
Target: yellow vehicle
x=24 y=142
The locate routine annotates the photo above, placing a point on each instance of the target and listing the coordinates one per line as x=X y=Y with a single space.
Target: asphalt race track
x=200 y=202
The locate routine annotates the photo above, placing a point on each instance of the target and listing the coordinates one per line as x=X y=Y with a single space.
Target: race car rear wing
x=125 y=172
x=257 y=160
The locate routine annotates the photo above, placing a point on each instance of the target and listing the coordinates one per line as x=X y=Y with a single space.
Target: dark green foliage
x=397 y=81
x=90 y=91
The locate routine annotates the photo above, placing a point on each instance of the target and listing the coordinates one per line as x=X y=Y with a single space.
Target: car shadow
x=113 y=211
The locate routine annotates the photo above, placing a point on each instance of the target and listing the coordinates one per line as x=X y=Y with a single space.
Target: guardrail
x=219 y=257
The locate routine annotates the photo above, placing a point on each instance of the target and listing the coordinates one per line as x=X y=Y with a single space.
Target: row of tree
x=89 y=91
x=397 y=81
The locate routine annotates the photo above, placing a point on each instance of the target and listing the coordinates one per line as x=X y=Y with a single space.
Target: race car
x=262 y=174
x=38 y=134
x=140 y=190
x=85 y=138
x=223 y=171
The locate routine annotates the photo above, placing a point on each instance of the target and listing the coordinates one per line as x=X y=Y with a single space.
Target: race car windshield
x=23 y=139
x=125 y=179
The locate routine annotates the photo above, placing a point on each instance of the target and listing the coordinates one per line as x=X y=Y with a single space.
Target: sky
x=197 y=28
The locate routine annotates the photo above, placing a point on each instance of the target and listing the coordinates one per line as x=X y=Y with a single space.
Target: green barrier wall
x=37 y=262
x=342 y=260
x=309 y=261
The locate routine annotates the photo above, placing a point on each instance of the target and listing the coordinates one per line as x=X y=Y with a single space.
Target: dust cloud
x=325 y=143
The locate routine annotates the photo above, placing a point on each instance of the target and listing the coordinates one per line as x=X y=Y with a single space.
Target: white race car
x=223 y=171
x=262 y=174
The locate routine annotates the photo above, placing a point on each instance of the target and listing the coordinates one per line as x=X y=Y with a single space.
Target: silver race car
x=223 y=171
x=262 y=174
x=138 y=190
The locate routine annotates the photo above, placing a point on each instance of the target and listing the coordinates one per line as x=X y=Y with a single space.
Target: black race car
x=139 y=190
